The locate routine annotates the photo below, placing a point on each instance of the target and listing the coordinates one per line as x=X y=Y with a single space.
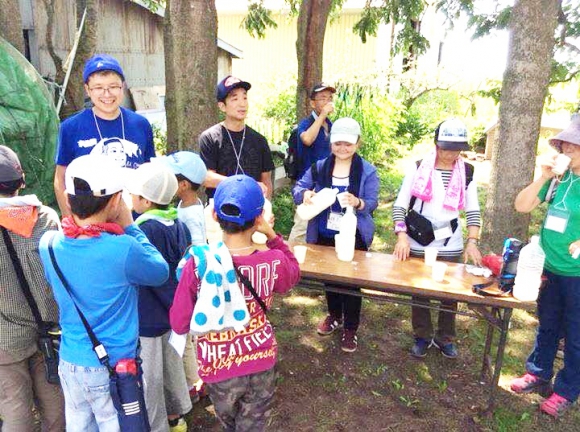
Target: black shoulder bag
x=125 y=387
x=49 y=332
x=248 y=285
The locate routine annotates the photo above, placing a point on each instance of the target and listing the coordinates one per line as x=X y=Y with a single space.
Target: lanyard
x=99 y=130
x=562 y=202
x=238 y=154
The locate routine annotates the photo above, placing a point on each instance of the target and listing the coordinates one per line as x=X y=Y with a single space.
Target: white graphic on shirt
x=87 y=143
x=119 y=150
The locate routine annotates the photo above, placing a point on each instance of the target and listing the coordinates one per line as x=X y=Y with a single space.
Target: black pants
x=344 y=307
x=421 y=317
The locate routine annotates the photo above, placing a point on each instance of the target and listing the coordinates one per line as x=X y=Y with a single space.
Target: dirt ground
x=381 y=387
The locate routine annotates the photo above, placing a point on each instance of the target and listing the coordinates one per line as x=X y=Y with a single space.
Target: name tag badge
x=442 y=230
x=333 y=222
x=557 y=220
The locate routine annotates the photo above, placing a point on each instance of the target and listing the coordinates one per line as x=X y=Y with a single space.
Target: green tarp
x=28 y=121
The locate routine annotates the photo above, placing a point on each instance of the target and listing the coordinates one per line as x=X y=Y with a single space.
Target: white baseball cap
x=345 y=129
x=153 y=181
x=102 y=174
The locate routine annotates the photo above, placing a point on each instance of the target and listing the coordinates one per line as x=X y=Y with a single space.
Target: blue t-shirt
x=128 y=139
x=319 y=149
x=103 y=273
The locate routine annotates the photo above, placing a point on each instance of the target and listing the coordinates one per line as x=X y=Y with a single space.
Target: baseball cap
x=571 y=134
x=244 y=194
x=229 y=83
x=345 y=129
x=10 y=168
x=103 y=175
x=153 y=181
x=101 y=62
x=186 y=163
x=321 y=87
x=451 y=135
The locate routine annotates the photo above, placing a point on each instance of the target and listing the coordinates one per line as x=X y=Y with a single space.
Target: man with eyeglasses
x=313 y=141
x=106 y=128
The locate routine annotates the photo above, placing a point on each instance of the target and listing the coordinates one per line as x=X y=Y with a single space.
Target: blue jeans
x=87 y=400
x=559 y=314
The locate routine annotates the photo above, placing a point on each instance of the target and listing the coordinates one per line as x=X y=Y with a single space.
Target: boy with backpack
x=236 y=363
x=152 y=188
x=23 y=220
x=103 y=255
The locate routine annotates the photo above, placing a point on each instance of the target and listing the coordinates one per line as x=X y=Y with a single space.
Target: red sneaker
x=555 y=405
x=530 y=383
x=328 y=326
x=349 y=341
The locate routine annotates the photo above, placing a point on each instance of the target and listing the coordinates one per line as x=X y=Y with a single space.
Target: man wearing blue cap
x=230 y=147
x=106 y=128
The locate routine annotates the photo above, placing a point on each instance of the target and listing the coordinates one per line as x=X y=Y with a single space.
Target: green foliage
x=477 y=139
x=282 y=109
x=405 y=14
x=159 y=139
x=258 y=19
x=411 y=128
x=283 y=208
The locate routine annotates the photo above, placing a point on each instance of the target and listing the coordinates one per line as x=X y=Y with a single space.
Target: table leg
x=486 y=364
x=505 y=316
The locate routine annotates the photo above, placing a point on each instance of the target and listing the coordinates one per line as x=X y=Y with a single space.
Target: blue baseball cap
x=99 y=63
x=186 y=163
x=244 y=194
x=228 y=84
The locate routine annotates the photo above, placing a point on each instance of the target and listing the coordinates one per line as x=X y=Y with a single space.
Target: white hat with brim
x=103 y=175
x=571 y=134
x=345 y=129
x=153 y=181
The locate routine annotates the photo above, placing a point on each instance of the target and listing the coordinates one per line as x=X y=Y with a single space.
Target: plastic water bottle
x=258 y=237
x=530 y=268
x=321 y=201
x=213 y=230
x=347 y=235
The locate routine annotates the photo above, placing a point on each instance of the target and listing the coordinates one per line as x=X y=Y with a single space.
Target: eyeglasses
x=324 y=98
x=343 y=144
x=111 y=89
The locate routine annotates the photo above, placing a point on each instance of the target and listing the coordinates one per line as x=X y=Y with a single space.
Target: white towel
x=220 y=303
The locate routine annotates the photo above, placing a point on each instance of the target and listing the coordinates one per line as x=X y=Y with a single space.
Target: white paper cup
x=561 y=164
x=438 y=271
x=345 y=248
x=430 y=255
x=300 y=253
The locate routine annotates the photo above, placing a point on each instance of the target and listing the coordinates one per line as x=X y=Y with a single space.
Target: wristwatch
x=400 y=227
x=473 y=240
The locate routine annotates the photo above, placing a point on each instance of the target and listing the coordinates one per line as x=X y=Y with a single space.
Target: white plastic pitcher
x=321 y=201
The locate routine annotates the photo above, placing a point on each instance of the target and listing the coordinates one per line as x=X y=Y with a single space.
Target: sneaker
x=178 y=425
x=447 y=349
x=555 y=405
x=530 y=383
x=349 y=341
x=328 y=326
x=420 y=348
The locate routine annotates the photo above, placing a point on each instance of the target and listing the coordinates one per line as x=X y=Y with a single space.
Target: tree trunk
x=312 y=20
x=190 y=37
x=524 y=89
x=11 y=24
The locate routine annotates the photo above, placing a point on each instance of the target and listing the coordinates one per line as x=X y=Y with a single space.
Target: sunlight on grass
x=300 y=301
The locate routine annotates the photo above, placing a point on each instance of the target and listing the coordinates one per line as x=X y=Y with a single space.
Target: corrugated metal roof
x=160 y=10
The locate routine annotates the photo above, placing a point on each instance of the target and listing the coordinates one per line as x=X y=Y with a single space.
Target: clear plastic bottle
x=213 y=230
x=529 y=273
x=258 y=237
x=347 y=235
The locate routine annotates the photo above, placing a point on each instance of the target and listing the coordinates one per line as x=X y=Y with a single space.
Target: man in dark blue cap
x=231 y=147
x=106 y=128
